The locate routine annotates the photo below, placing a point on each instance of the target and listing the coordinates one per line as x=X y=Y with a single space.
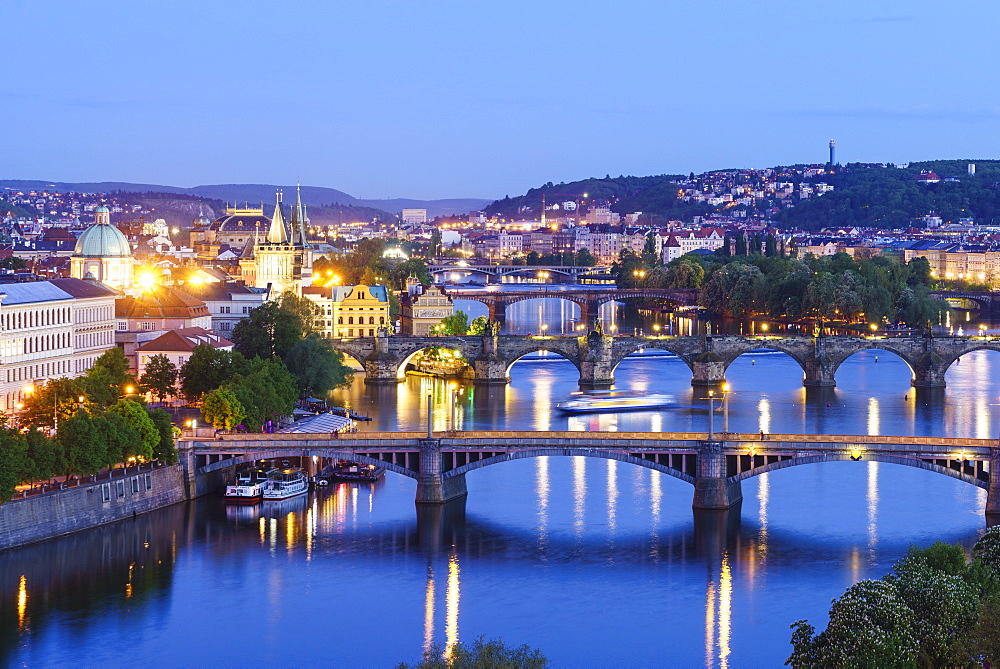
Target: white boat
x=613 y=401
x=285 y=483
x=248 y=488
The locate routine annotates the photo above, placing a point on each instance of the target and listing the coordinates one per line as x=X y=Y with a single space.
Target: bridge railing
x=956 y=443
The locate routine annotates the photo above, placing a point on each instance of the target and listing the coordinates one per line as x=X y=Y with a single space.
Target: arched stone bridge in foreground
x=716 y=468
x=596 y=355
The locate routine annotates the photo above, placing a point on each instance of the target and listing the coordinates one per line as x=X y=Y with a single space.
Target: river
x=597 y=563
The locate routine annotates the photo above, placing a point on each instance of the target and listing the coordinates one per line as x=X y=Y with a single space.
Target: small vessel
x=345 y=470
x=248 y=488
x=285 y=483
x=612 y=401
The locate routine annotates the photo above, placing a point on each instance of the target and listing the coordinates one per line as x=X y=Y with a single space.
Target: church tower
x=103 y=253
x=276 y=257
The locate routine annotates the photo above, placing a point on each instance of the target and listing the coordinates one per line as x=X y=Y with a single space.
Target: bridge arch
x=867 y=457
x=878 y=345
x=590 y=453
x=755 y=348
x=512 y=356
x=304 y=452
x=671 y=346
x=407 y=354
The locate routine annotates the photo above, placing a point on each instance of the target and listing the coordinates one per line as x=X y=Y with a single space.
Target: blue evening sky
x=480 y=99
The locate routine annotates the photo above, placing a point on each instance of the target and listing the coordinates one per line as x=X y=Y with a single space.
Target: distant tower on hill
x=833 y=149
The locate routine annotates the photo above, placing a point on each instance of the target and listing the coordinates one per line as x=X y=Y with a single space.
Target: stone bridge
x=588 y=299
x=716 y=468
x=988 y=302
x=596 y=355
x=495 y=273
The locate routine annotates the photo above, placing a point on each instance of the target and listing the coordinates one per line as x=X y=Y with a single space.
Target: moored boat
x=247 y=489
x=285 y=483
x=615 y=401
x=345 y=470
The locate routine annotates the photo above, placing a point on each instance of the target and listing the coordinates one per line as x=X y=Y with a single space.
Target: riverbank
x=38 y=517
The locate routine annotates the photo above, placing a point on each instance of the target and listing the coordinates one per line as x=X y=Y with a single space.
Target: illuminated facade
x=349 y=311
x=421 y=308
x=51 y=329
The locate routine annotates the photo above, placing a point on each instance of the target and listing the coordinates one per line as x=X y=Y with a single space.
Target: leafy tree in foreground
x=164 y=449
x=159 y=377
x=266 y=391
x=221 y=408
x=84 y=445
x=207 y=369
x=13 y=462
x=318 y=367
x=456 y=324
x=492 y=654
x=269 y=331
x=137 y=418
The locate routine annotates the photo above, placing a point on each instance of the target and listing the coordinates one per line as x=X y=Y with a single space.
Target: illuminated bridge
x=597 y=355
x=715 y=467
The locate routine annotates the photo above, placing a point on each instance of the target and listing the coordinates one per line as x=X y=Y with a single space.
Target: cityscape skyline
x=403 y=100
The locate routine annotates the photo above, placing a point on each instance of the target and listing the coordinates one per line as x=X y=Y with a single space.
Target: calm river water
x=597 y=563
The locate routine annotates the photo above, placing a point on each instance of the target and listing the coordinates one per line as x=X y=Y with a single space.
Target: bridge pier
x=993 y=492
x=928 y=371
x=709 y=370
x=818 y=373
x=432 y=488
x=711 y=489
x=596 y=367
x=490 y=369
x=381 y=366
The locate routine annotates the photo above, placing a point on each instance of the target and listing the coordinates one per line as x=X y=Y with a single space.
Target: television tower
x=833 y=147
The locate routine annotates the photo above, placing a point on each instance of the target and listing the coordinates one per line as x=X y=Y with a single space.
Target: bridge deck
x=966 y=448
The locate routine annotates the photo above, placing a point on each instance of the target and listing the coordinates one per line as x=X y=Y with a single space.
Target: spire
x=277 y=234
x=299 y=221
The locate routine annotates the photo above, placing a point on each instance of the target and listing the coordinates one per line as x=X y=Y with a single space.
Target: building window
x=106 y=492
x=135 y=484
x=148 y=326
x=120 y=485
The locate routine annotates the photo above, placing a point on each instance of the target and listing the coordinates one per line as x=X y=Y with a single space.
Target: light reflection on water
x=546 y=548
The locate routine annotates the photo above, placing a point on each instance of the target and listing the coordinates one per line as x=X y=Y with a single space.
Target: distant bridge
x=494 y=273
x=588 y=299
x=597 y=355
x=715 y=467
x=987 y=301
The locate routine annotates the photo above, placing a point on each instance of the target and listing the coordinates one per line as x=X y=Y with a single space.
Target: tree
x=584 y=258
x=13 y=462
x=478 y=325
x=734 y=290
x=159 y=377
x=119 y=439
x=207 y=369
x=221 y=408
x=457 y=324
x=318 y=367
x=84 y=446
x=137 y=418
x=107 y=378
x=302 y=308
x=267 y=332
x=492 y=654
x=164 y=450
x=58 y=400
x=45 y=454
x=266 y=390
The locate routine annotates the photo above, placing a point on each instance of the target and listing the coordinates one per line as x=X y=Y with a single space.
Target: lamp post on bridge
x=711 y=415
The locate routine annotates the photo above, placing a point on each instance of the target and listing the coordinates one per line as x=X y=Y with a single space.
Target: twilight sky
x=434 y=99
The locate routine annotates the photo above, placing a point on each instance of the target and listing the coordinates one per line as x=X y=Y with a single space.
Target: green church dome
x=102 y=240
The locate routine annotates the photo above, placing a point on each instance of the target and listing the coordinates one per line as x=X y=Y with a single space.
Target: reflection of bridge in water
x=716 y=468
x=597 y=355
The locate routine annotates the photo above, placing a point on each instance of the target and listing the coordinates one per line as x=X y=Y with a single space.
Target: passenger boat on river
x=613 y=401
x=285 y=483
x=248 y=487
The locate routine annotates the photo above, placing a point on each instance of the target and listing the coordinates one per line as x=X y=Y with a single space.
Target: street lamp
x=725 y=408
x=711 y=415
